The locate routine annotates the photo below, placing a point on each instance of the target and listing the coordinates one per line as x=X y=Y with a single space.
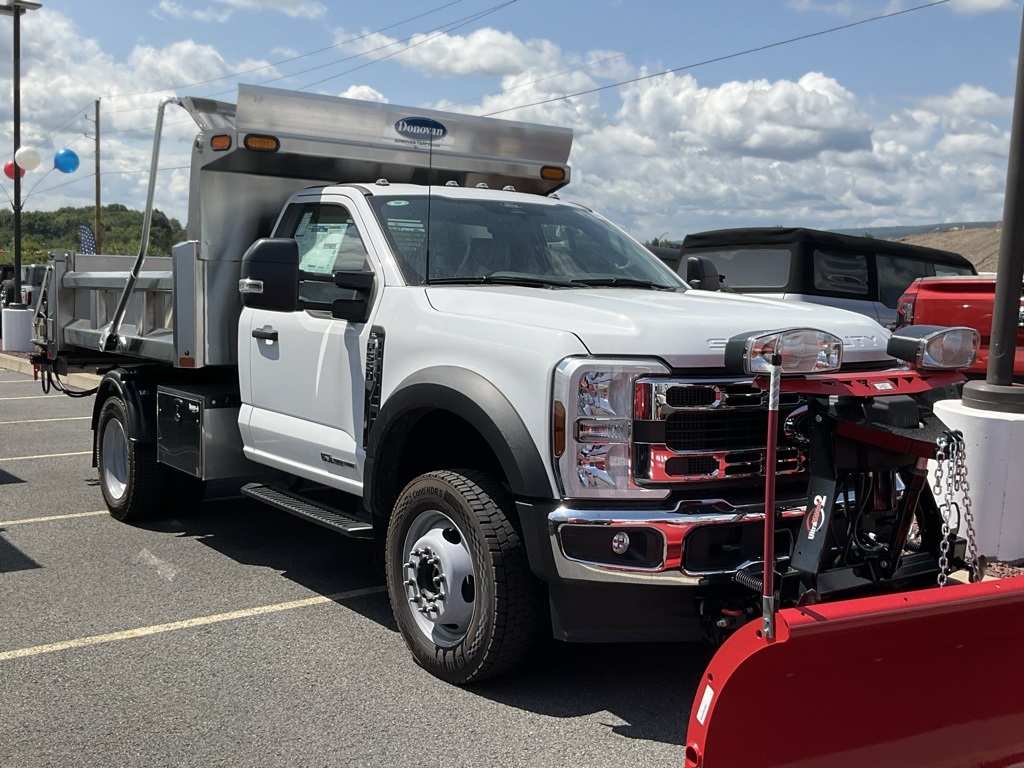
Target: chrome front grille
x=717 y=430
x=698 y=431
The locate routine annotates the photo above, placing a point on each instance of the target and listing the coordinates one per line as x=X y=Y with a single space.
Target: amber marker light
x=220 y=142
x=552 y=173
x=558 y=428
x=260 y=143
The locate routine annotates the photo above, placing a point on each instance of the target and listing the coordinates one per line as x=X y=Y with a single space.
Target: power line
x=717 y=59
x=458 y=23
x=443 y=31
x=293 y=58
x=622 y=55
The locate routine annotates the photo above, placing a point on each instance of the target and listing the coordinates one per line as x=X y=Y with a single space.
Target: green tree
x=45 y=231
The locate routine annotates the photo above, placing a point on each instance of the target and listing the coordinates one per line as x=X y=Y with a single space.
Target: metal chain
x=963 y=486
x=950 y=458
x=944 y=507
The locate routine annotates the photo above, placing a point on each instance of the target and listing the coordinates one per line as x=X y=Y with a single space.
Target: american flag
x=88 y=241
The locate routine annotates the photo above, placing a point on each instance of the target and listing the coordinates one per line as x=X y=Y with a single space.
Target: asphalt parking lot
x=237 y=635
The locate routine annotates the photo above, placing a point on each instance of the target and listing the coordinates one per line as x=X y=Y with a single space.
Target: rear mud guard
x=927 y=679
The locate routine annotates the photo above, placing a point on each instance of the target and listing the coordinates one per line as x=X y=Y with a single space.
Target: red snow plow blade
x=925 y=679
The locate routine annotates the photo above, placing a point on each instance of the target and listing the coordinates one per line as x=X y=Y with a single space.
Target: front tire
x=463 y=595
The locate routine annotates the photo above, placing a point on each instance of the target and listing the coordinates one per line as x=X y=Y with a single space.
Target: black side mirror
x=701 y=273
x=270 y=275
x=356 y=309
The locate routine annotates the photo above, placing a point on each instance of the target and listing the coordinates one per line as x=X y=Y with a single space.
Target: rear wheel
x=130 y=478
x=464 y=598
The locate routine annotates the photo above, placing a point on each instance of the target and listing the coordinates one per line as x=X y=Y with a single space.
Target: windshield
x=482 y=241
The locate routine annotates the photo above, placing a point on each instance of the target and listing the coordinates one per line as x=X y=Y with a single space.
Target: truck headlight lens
x=592 y=414
x=802 y=351
x=934 y=347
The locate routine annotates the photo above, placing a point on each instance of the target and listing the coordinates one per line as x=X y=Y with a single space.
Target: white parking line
x=30 y=397
x=48 y=518
x=156 y=629
x=37 y=421
x=47 y=456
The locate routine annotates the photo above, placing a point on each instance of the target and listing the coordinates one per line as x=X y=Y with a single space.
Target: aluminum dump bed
x=247 y=159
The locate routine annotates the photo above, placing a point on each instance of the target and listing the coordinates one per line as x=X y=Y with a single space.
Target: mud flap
x=926 y=679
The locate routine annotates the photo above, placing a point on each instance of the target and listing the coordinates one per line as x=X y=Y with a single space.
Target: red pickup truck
x=968 y=301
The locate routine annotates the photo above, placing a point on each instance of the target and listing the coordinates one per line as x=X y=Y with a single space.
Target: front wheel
x=464 y=598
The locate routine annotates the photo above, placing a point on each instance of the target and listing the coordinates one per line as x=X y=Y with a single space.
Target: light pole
x=16 y=9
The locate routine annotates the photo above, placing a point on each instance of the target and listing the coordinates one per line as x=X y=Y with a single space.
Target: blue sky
x=902 y=120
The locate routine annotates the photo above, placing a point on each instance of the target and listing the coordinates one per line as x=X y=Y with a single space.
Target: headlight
x=934 y=347
x=799 y=350
x=592 y=416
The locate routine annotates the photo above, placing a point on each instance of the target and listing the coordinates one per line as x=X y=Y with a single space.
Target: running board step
x=308 y=510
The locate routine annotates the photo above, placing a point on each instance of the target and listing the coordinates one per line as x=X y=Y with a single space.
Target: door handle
x=259 y=333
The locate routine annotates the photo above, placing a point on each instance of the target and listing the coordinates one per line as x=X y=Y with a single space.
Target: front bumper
x=653 y=597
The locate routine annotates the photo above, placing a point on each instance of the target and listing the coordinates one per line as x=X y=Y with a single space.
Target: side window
x=329 y=242
x=945 y=270
x=895 y=275
x=751 y=268
x=841 y=273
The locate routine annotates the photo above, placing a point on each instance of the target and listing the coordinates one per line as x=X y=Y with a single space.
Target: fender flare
x=481 y=404
x=137 y=391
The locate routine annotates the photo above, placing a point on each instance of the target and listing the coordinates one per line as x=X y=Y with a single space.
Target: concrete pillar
x=17 y=328
x=994 y=446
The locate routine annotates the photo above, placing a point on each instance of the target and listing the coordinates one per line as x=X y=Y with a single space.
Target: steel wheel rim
x=115 y=459
x=438 y=578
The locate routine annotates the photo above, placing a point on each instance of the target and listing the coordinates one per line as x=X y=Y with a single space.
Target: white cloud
x=662 y=155
x=837 y=7
x=176 y=10
x=980 y=6
x=970 y=100
x=364 y=92
x=63 y=74
x=309 y=9
x=484 y=51
x=784 y=152
x=846 y=8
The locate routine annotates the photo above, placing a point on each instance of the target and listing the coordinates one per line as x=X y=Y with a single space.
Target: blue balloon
x=66 y=161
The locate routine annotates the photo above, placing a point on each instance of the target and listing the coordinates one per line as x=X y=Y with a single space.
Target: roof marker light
x=262 y=143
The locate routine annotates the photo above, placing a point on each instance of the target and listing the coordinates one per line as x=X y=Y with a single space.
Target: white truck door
x=306 y=369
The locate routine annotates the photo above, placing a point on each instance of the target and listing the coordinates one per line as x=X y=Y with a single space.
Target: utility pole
x=16 y=9
x=98 y=229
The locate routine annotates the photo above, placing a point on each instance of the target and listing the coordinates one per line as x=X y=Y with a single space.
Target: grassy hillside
x=45 y=231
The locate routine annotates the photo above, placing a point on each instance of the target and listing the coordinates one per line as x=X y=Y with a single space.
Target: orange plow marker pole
x=925 y=679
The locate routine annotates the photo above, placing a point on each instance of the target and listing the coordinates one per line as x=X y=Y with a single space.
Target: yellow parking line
x=48 y=518
x=156 y=629
x=47 y=456
x=37 y=421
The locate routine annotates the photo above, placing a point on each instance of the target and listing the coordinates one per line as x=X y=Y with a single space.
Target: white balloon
x=27 y=158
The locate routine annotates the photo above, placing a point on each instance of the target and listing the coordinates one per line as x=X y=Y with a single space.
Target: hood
x=685 y=329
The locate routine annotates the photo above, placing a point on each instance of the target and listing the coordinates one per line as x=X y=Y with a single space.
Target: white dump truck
x=387 y=323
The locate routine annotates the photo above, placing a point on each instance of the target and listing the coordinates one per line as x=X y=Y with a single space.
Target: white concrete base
x=16 y=329
x=994 y=445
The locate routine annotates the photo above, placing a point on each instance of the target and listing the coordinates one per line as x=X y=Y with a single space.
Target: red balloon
x=9 y=167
